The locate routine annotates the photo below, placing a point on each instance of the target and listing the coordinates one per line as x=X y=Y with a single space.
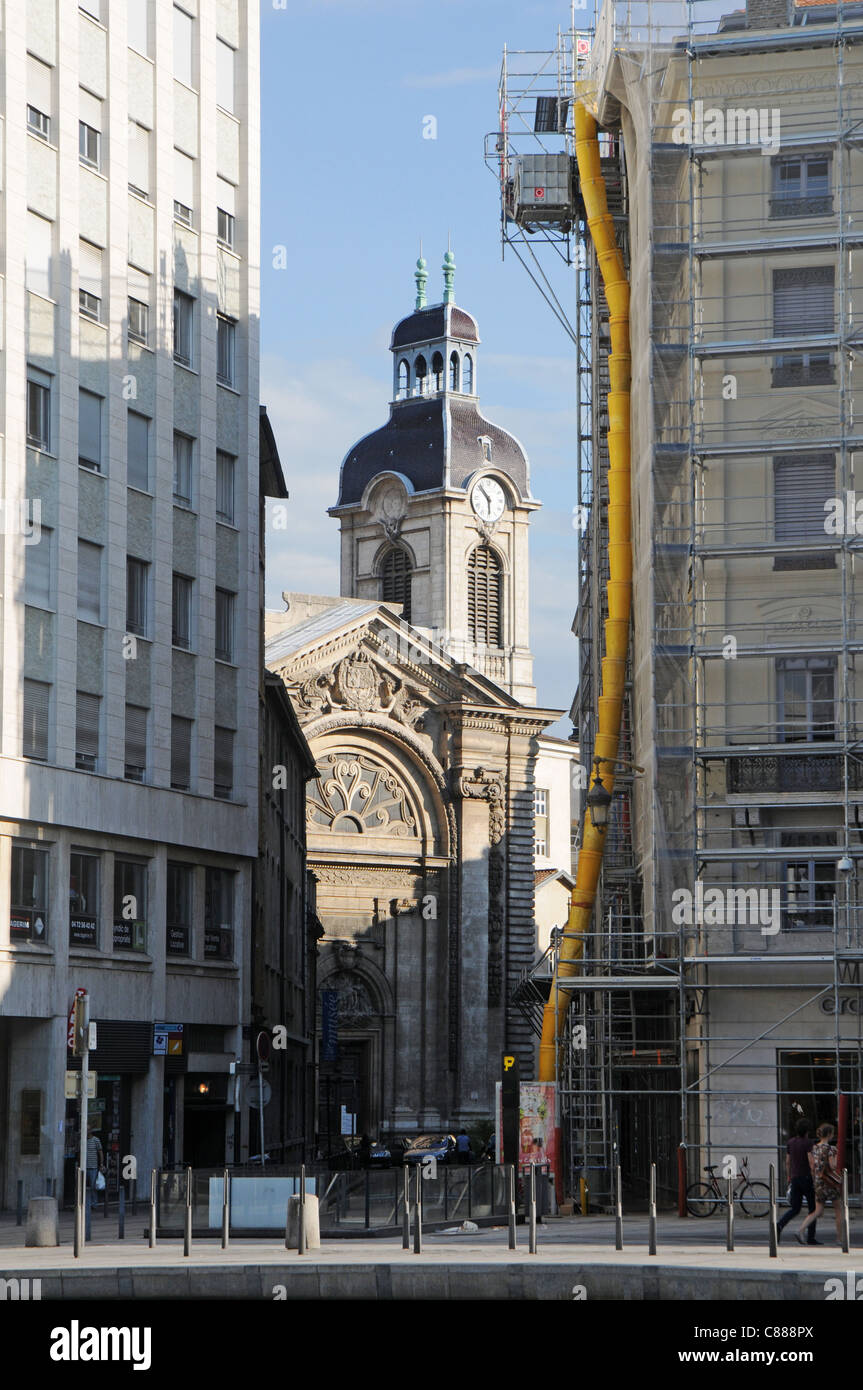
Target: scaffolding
x=733 y=154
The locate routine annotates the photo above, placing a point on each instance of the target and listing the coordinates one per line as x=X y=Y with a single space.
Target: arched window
x=404 y=376
x=396 y=580
x=420 y=373
x=484 y=593
x=468 y=375
x=437 y=371
x=454 y=372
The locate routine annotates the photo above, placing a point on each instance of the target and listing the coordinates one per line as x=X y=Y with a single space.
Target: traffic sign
x=262 y=1046
x=253 y=1093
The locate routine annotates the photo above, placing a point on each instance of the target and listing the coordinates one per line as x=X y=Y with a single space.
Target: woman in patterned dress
x=822 y=1160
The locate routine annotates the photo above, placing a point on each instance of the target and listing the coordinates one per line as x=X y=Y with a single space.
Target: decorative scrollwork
x=354 y=796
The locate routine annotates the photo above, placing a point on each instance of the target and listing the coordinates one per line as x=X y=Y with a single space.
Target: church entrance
x=345 y=1097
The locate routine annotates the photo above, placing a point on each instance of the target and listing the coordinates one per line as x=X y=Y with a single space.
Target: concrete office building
x=130 y=617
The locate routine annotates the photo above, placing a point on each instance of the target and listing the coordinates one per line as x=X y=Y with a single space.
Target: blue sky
x=349 y=187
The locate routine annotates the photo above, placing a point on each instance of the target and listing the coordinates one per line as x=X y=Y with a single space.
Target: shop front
x=122 y=1056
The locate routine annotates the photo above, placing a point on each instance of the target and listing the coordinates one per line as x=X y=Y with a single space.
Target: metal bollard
x=771 y=1235
x=19 y=1211
x=510 y=1178
x=301 y=1213
x=406 y=1208
x=153 y=1191
x=418 y=1214
x=226 y=1210
x=651 y=1249
x=532 y=1211
x=187 y=1224
x=846 y=1231
x=121 y=1212
x=729 y=1216
x=618 y=1212
x=88 y=1208
x=79 y=1215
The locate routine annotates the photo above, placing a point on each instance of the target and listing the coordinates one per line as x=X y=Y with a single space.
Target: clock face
x=488 y=499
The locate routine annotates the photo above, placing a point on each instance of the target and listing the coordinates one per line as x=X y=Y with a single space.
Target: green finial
x=448 y=278
x=421 y=275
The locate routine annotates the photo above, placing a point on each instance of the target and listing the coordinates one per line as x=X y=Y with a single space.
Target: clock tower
x=434 y=506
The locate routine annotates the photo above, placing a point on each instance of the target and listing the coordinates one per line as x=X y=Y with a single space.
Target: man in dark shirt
x=799 y=1175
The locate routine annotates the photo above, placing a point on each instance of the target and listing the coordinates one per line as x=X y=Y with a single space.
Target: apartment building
x=130 y=552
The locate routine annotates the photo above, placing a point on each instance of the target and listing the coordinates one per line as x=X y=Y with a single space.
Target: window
x=809 y=885
x=137 y=30
x=484 y=583
x=90 y=281
x=38 y=255
x=136 y=743
x=178 y=909
x=183 y=307
x=38 y=409
x=454 y=372
x=183 y=469
x=806 y=699
x=89 y=582
x=437 y=371
x=92 y=8
x=38 y=589
x=138 y=451
x=130 y=905
x=36 y=703
x=801 y=186
x=420 y=373
x=540 y=821
x=136 y=596
x=225 y=339
x=225 y=60
x=468 y=375
x=38 y=123
x=139 y=322
x=30 y=1144
x=90 y=430
x=183 y=30
x=139 y=159
x=225 y=228
x=84 y=878
x=802 y=306
x=224 y=625
x=86 y=731
x=181 y=612
x=29 y=917
x=396 y=580
x=225 y=471
x=219 y=913
x=181 y=753
x=223 y=763
x=404 y=378
x=89 y=145
x=802 y=484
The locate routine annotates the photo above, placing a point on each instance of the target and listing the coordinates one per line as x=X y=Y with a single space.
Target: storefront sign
x=167 y=1039
x=848 y=1004
x=82 y=931
x=73 y=1085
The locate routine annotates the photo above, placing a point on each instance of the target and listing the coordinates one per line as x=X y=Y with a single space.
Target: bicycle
x=753 y=1198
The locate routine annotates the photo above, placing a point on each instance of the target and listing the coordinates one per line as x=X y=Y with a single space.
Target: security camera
x=845 y=865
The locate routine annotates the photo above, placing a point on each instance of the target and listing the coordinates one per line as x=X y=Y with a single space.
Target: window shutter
x=35 y=732
x=802 y=484
x=184 y=179
x=396 y=580
x=90 y=427
x=37 y=254
x=138 y=449
x=87 y=730
x=223 y=762
x=803 y=301
x=90 y=269
x=139 y=157
x=136 y=742
x=89 y=109
x=89 y=581
x=39 y=85
x=37 y=570
x=225 y=61
x=181 y=753
x=225 y=486
x=226 y=196
x=484 y=597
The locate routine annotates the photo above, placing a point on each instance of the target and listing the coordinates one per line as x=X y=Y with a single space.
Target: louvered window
x=37 y=570
x=136 y=743
x=181 y=753
x=484 y=597
x=90 y=281
x=86 y=732
x=35 y=729
x=89 y=582
x=396 y=580
x=223 y=763
x=802 y=483
x=802 y=306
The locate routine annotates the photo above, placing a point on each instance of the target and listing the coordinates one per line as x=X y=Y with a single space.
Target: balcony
x=797 y=772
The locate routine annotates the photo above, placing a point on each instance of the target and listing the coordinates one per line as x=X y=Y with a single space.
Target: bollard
x=19 y=1214
x=729 y=1216
x=418 y=1214
x=187 y=1224
x=652 y=1218
x=226 y=1209
x=532 y=1198
x=510 y=1178
x=618 y=1213
x=301 y=1214
x=121 y=1212
x=79 y=1212
x=153 y=1189
x=88 y=1208
x=771 y=1234
x=846 y=1233
x=406 y=1208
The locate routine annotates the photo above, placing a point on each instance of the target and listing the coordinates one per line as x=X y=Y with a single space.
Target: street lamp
x=598 y=800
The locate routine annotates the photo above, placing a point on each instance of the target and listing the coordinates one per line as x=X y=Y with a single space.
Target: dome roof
x=438 y=321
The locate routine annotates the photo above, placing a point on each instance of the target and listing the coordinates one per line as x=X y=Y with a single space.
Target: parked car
x=439 y=1146
x=378 y=1154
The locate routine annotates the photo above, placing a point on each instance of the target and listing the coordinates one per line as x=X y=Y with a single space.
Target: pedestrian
x=462 y=1146
x=828 y=1184
x=799 y=1179
x=95 y=1162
